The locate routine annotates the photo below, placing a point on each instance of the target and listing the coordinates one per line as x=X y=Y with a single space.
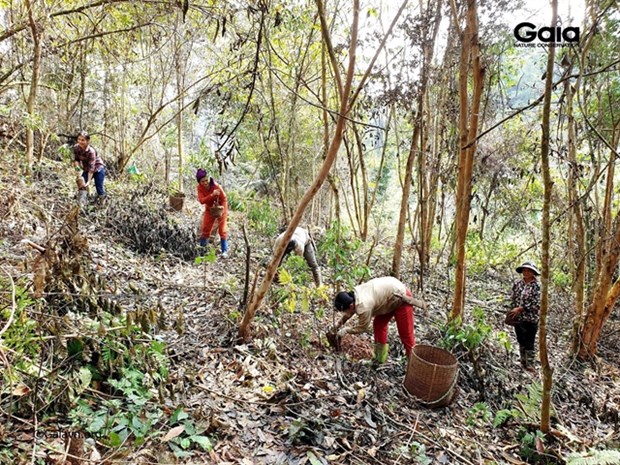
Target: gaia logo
x=525 y=33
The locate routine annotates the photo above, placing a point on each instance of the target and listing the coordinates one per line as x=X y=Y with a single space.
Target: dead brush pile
x=149 y=227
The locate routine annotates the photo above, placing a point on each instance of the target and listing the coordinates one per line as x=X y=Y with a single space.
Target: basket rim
x=436 y=349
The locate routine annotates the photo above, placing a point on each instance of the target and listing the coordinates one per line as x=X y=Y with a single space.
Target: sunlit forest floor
x=124 y=349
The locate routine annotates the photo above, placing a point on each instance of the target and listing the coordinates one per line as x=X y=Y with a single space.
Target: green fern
x=594 y=457
x=529 y=404
x=503 y=416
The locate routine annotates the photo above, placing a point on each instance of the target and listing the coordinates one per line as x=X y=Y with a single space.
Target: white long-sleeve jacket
x=301 y=238
x=378 y=296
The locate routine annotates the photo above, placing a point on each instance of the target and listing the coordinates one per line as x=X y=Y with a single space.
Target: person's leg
x=99 y=176
x=207 y=226
x=380 y=327
x=223 y=232
x=525 y=340
x=404 y=324
x=310 y=256
x=380 y=330
x=529 y=331
x=529 y=342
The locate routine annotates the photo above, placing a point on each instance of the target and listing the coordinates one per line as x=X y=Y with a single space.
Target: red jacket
x=208 y=199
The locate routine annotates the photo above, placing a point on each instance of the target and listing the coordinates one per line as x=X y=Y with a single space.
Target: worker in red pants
x=213 y=197
x=381 y=299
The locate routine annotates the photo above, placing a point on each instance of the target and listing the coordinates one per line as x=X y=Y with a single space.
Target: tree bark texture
x=546 y=235
x=332 y=152
x=36 y=32
x=468 y=130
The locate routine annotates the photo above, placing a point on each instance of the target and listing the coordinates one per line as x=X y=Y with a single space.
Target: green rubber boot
x=380 y=353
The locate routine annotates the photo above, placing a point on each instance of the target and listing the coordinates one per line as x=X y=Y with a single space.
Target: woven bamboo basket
x=431 y=376
x=216 y=211
x=176 y=201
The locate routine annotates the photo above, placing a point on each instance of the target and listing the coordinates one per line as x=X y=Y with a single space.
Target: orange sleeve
x=223 y=198
x=203 y=194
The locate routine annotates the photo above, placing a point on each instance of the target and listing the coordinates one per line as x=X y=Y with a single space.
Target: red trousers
x=404 y=324
x=207 y=225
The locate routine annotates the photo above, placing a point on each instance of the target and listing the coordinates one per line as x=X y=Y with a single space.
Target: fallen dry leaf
x=21 y=390
x=173 y=433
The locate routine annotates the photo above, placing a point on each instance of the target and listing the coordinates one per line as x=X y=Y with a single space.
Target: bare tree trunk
x=179 y=60
x=470 y=51
x=546 y=236
x=364 y=202
x=604 y=295
x=357 y=224
x=347 y=100
x=426 y=188
x=576 y=225
x=330 y=177
x=259 y=295
x=430 y=33
x=373 y=199
x=36 y=33
x=404 y=202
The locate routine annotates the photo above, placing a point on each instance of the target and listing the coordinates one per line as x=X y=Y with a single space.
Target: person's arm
x=208 y=197
x=346 y=316
x=363 y=323
x=76 y=159
x=92 y=158
x=514 y=299
x=203 y=196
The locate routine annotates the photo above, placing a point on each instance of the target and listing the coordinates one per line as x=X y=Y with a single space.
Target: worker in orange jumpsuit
x=213 y=197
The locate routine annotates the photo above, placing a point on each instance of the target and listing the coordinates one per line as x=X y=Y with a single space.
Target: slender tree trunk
x=282 y=179
x=384 y=147
x=357 y=224
x=364 y=202
x=330 y=177
x=416 y=149
x=604 y=295
x=425 y=187
x=345 y=107
x=36 y=32
x=347 y=101
x=546 y=236
x=468 y=132
x=577 y=232
x=404 y=202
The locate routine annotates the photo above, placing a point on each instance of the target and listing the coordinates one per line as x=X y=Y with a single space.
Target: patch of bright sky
x=399 y=52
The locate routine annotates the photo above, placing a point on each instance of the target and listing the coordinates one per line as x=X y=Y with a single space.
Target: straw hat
x=529 y=266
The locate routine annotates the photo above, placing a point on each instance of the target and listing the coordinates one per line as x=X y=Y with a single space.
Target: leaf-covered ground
x=282 y=398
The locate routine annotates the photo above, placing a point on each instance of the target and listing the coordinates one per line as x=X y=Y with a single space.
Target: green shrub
x=468 y=336
x=263 y=218
x=235 y=201
x=340 y=250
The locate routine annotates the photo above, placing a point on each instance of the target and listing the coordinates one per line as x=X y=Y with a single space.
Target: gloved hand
x=342 y=332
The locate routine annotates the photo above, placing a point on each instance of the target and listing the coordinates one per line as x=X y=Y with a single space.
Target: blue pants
x=98 y=177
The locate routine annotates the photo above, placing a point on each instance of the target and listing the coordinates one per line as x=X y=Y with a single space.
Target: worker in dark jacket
x=526 y=312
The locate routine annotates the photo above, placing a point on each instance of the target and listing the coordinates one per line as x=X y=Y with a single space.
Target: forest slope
x=131 y=346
